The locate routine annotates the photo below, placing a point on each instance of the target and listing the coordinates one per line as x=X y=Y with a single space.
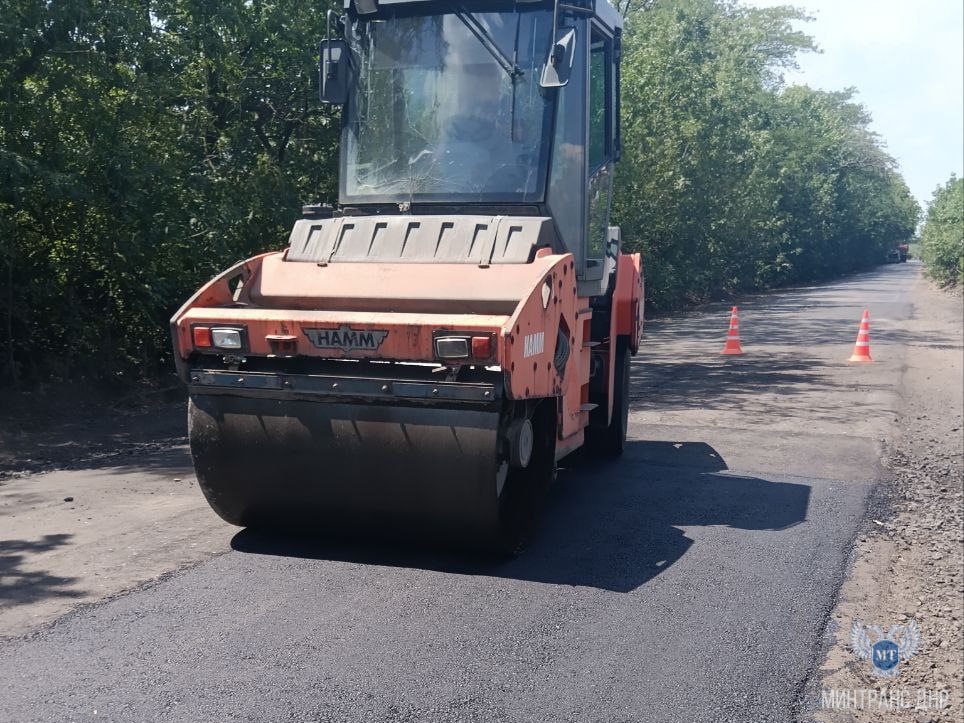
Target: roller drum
x=358 y=468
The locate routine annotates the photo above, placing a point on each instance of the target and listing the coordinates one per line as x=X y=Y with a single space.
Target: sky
x=906 y=60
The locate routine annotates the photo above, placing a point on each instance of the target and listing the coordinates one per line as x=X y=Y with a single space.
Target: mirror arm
x=558 y=52
x=332 y=18
x=555 y=31
x=558 y=65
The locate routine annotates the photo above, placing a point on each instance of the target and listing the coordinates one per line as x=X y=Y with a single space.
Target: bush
x=942 y=240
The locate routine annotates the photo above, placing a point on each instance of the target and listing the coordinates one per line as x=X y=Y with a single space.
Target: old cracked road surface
x=688 y=581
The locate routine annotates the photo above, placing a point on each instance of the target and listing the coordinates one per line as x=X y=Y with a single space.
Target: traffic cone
x=732 y=345
x=862 y=347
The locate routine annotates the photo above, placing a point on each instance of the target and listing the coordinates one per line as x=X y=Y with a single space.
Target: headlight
x=452 y=347
x=226 y=338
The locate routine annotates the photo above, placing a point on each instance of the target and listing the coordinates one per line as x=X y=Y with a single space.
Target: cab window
x=600 y=100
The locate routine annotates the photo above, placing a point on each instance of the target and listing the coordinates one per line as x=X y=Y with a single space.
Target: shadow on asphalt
x=713 y=384
x=19 y=586
x=612 y=526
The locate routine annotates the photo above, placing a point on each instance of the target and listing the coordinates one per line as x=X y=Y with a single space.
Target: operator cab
x=482 y=108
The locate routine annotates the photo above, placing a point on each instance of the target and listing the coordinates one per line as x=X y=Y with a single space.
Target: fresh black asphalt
x=688 y=581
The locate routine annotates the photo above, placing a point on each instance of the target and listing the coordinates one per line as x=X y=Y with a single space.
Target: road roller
x=424 y=350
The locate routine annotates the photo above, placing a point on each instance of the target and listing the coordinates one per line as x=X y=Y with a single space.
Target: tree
x=143 y=146
x=147 y=144
x=731 y=181
x=942 y=238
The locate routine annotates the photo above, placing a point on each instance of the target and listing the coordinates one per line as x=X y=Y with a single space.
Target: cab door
x=601 y=155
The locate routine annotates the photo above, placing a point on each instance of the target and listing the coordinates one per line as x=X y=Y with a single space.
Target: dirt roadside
x=96 y=498
x=69 y=426
x=908 y=561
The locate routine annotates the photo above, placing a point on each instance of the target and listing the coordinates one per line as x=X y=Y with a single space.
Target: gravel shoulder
x=908 y=562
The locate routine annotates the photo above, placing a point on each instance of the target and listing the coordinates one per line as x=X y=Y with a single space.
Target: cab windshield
x=447 y=108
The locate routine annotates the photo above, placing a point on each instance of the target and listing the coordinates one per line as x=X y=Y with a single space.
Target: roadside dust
x=909 y=558
x=68 y=426
x=96 y=498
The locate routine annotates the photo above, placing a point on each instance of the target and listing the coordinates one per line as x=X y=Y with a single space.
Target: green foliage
x=144 y=146
x=731 y=182
x=942 y=239
x=147 y=144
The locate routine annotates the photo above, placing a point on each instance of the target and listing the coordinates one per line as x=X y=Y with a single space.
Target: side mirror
x=558 y=66
x=333 y=82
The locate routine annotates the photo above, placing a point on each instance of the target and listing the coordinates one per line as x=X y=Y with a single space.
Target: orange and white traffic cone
x=862 y=347
x=732 y=345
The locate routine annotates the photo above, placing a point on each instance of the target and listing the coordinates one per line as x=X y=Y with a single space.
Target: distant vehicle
x=893 y=256
x=903 y=250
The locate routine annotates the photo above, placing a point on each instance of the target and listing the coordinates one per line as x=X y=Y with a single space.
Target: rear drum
x=371 y=470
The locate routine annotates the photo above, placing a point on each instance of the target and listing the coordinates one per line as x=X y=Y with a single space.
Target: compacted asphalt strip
x=689 y=580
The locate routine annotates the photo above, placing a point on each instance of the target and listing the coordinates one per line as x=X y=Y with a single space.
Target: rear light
x=218 y=337
x=481 y=347
x=464 y=347
x=226 y=339
x=202 y=336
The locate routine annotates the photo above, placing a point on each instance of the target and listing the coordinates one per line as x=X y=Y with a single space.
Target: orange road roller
x=424 y=351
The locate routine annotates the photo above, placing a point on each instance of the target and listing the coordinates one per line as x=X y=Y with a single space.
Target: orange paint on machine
x=423 y=352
